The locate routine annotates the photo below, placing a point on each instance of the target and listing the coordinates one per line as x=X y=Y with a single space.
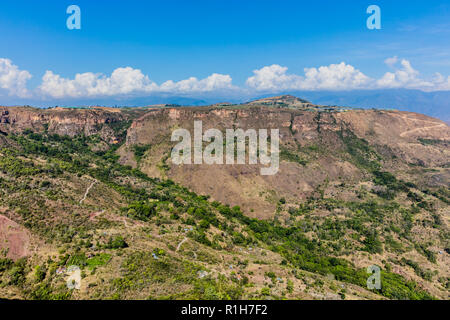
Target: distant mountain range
x=435 y=104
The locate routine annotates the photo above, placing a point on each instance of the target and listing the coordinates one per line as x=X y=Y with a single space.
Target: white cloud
x=274 y=78
x=391 y=61
x=125 y=81
x=12 y=79
x=333 y=77
x=122 y=81
x=214 y=82
x=405 y=76
x=441 y=83
x=343 y=76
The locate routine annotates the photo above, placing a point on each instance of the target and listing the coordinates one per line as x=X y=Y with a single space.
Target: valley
x=96 y=188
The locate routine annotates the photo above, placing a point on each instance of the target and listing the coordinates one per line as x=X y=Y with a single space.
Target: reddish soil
x=14 y=238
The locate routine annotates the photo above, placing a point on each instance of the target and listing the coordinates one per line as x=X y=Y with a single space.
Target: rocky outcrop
x=400 y=131
x=62 y=121
x=318 y=136
x=314 y=137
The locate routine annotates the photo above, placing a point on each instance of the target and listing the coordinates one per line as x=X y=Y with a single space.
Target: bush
x=139 y=151
x=141 y=210
x=117 y=242
x=39 y=273
x=372 y=244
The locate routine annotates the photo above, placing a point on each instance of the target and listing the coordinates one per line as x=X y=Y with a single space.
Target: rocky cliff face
x=399 y=131
x=315 y=145
x=367 y=186
x=60 y=121
x=315 y=148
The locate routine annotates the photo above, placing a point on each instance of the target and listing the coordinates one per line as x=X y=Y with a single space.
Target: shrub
x=117 y=242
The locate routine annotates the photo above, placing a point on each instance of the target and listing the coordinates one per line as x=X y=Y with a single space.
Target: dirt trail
x=87 y=191
x=96 y=214
x=181 y=243
x=436 y=125
x=124 y=220
x=403 y=134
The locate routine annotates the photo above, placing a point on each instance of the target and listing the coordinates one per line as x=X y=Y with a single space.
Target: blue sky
x=152 y=42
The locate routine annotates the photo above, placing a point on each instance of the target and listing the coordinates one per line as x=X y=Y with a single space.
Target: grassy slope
x=127 y=219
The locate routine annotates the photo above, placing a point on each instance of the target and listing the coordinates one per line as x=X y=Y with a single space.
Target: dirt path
x=96 y=214
x=124 y=220
x=87 y=191
x=403 y=134
x=181 y=243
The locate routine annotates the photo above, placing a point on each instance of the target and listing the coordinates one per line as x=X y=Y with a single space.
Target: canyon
x=366 y=187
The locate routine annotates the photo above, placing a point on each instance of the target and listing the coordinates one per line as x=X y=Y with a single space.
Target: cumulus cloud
x=333 y=77
x=441 y=83
x=275 y=78
x=343 y=76
x=405 y=76
x=215 y=82
x=12 y=79
x=391 y=61
x=122 y=81
x=125 y=81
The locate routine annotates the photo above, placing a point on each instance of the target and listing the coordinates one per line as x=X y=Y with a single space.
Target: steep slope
x=133 y=237
x=334 y=164
x=314 y=148
x=68 y=122
x=90 y=188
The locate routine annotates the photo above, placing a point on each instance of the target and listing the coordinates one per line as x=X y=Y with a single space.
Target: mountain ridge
x=434 y=104
x=95 y=188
